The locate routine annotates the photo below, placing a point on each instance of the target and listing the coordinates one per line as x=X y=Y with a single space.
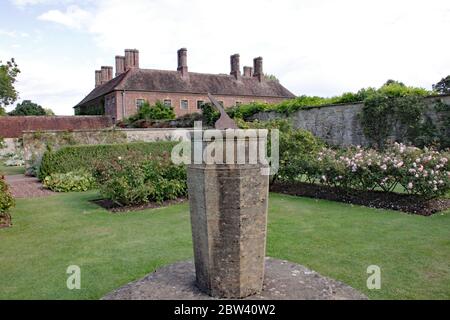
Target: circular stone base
x=283 y=281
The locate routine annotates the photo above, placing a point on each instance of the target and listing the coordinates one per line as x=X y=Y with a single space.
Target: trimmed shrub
x=127 y=182
x=295 y=145
x=70 y=182
x=75 y=158
x=6 y=203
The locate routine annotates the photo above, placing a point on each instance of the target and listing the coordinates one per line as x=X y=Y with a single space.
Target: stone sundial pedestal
x=228 y=194
x=229 y=204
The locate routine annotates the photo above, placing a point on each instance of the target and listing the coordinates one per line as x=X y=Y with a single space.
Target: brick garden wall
x=13 y=127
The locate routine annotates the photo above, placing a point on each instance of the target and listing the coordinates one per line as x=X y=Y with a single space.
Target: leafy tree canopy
x=443 y=86
x=28 y=108
x=8 y=75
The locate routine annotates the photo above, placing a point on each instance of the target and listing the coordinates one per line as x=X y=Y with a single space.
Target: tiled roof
x=172 y=81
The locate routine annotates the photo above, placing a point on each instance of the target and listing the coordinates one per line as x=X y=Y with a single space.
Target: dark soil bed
x=114 y=207
x=374 y=199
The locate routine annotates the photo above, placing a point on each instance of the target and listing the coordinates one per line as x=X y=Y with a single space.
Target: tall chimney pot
x=248 y=72
x=131 y=59
x=106 y=74
x=235 y=66
x=98 y=78
x=182 y=62
x=120 y=65
x=258 y=68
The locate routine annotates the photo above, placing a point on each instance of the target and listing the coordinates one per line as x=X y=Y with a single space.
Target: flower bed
x=421 y=172
x=131 y=182
x=374 y=199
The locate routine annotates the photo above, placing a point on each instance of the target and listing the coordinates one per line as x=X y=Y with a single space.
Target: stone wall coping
x=110 y=129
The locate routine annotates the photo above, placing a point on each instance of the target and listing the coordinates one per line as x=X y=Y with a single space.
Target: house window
x=168 y=103
x=139 y=103
x=184 y=104
x=200 y=103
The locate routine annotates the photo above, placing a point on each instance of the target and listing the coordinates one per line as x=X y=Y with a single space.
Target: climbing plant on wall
x=396 y=107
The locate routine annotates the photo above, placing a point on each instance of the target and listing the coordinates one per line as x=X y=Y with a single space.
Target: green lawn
x=8 y=171
x=335 y=239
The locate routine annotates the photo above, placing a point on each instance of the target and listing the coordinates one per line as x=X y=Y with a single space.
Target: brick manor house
x=121 y=96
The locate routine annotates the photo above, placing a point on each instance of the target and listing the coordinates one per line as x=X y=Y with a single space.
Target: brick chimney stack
x=235 y=66
x=258 y=68
x=182 y=62
x=131 y=59
x=120 y=65
x=248 y=72
x=106 y=74
x=98 y=78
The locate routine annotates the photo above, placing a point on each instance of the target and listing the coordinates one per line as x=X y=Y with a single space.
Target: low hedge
x=86 y=157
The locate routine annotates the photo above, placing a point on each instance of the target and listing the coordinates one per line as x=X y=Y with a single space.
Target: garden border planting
x=373 y=199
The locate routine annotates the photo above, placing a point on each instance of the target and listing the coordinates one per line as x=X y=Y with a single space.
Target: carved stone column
x=229 y=205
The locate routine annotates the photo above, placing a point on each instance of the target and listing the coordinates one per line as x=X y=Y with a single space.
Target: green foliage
x=271 y=77
x=421 y=172
x=8 y=77
x=157 y=112
x=130 y=182
x=28 y=108
x=246 y=111
x=70 y=182
x=443 y=135
x=2 y=143
x=6 y=199
x=49 y=112
x=210 y=114
x=75 y=158
x=98 y=110
x=443 y=86
x=394 y=105
x=293 y=144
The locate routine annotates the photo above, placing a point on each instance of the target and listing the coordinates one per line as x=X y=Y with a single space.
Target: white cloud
x=316 y=47
x=13 y=34
x=73 y=17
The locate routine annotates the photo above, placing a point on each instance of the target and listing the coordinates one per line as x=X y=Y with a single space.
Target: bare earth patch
x=374 y=199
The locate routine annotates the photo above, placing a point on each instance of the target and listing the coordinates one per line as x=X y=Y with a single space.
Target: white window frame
x=181 y=104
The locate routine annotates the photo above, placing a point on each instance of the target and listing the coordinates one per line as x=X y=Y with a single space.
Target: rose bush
x=423 y=172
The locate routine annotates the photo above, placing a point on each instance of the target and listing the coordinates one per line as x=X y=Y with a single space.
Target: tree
x=8 y=75
x=443 y=86
x=271 y=77
x=49 y=112
x=28 y=108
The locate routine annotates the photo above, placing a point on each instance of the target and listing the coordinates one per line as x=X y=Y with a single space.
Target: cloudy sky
x=315 y=47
